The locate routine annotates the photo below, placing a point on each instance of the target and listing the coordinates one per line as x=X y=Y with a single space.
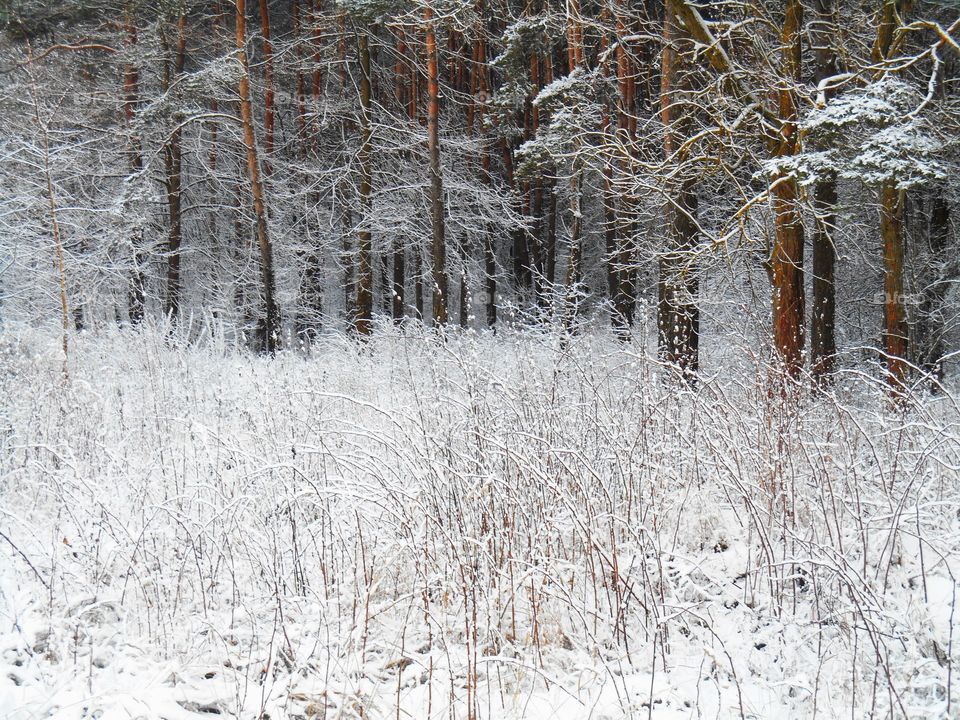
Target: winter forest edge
x=479 y=359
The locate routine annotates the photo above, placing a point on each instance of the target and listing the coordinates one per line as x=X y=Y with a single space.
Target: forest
x=479 y=358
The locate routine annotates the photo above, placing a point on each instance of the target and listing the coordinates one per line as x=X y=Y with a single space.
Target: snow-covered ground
x=482 y=528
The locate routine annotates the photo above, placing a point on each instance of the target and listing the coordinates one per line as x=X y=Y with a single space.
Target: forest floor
x=487 y=527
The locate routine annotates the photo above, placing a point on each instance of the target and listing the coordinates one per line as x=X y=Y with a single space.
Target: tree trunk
x=300 y=86
x=609 y=197
x=54 y=217
x=173 y=163
x=482 y=69
x=678 y=317
x=786 y=276
x=268 y=109
x=418 y=303
x=929 y=342
x=786 y=258
x=895 y=329
x=624 y=297
x=550 y=244
x=611 y=245
x=131 y=102
x=534 y=241
x=823 y=343
x=439 y=250
x=518 y=251
x=311 y=297
x=398 y=285
x=346 y=253
x=364 y=317
x=270 y=327
x=413 y=97
x=574 y=61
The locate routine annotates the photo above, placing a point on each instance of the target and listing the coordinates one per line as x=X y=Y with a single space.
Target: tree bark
x=364 y=317
x=574 y=61
x=823 y=343
x=611 y=225
x=624 y=297
x=413 y=98
x=398 y=284
x=268 y=95
x=311 y=294
x=482 y=70
x=678 y=317
x=550 y=244
x=786 y=259
x=270 y=325
x=346 y=253
x=895 y=329
x=173 y=163
x=131 y=103
x=929 y=343
x=439 y=249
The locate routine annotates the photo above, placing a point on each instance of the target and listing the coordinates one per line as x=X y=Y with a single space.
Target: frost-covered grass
x=481 y=528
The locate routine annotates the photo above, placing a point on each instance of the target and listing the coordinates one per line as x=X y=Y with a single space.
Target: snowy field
x=482 y=528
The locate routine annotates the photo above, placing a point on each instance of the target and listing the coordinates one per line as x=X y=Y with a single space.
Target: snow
x=873 y=135
x=415 y=528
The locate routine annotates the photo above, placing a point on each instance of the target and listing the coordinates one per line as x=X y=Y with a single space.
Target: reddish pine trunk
x=786 y=276
x=625 y=298
x=895 y=329
x=270 y=325
x=786 y=258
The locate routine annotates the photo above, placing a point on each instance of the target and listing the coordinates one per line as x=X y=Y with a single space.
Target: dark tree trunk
x=364 y=316
x=575 y=60
x=173 y=163
x=823 y=343
x=131 y=102
x=895 y=328
x=439 y=248
x=929 y=343
x=268 y=95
